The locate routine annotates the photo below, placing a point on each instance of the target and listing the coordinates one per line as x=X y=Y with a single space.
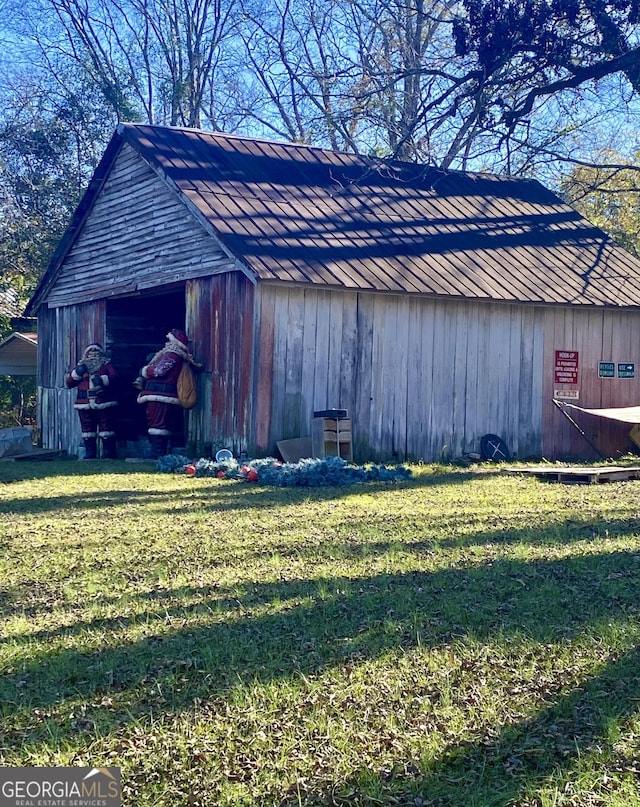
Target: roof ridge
x=233 y=136
x=372 y=161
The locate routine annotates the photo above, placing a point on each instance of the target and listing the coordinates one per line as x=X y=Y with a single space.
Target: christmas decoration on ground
x=326 y=472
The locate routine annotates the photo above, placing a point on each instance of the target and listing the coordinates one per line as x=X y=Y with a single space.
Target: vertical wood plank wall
x=63 y=333
x=598 y=335
x=220 y=323
x=421 y=378
x=425 y=379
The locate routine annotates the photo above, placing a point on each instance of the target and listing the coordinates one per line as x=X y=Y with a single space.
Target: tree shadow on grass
x=236 y=495
x=230 y=495
x=11 y=472
x=75 y=504
x=516 y=576
x=513 y=766
x=279 y=630
x=559 y=532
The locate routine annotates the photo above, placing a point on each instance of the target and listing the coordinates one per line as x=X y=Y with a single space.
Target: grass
x=463 y=639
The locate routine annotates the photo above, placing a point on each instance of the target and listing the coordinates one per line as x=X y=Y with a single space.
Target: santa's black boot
x=90 y=445
x=158 y=443
x=109 y=451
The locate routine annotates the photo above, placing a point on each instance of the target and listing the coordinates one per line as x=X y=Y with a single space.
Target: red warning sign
x=566 y=369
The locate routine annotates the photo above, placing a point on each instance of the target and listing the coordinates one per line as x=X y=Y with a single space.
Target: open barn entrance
x=136 y=327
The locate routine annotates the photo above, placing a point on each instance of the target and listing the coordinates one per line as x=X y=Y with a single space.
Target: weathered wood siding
x=63 y=333
x=425 y=378
x=421 y=378
x=220 y=322
x=137 y=236
x=597 y=335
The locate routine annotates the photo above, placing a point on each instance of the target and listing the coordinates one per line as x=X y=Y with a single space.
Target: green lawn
x=465 y=638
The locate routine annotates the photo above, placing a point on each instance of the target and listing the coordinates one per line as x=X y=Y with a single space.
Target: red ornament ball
x=220 y=474
x=190 y=470
x=252 y=475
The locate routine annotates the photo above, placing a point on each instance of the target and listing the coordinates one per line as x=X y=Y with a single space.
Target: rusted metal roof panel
x=298 y=214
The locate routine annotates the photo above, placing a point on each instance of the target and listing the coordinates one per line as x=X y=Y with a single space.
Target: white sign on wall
x=567 y=394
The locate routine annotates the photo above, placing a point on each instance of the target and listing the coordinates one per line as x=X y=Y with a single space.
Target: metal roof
x=300 y=214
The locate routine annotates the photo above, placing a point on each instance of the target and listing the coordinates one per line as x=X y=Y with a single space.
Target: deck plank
x=582 y=475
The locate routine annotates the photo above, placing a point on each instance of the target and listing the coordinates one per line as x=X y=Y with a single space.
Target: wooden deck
x=582 y=475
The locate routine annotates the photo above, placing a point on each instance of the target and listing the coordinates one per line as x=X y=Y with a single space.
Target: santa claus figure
x=158 y=382
x=93 y=378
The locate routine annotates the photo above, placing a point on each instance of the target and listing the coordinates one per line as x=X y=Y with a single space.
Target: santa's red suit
x=95 y=403
x=159 y=382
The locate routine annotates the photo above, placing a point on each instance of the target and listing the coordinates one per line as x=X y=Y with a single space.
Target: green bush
x=17 y=401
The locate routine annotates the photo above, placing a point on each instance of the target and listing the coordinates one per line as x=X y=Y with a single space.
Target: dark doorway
x=137 y=328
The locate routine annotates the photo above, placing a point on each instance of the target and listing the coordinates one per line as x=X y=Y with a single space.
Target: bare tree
x=152 y=60
x=382 y=76
x=302 y=63
x=362 y=75
x=399 y=78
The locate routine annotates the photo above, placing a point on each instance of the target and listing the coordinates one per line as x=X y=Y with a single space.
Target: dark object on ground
x=494 y=448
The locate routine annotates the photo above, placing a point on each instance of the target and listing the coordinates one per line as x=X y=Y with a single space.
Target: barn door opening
x=136 y=327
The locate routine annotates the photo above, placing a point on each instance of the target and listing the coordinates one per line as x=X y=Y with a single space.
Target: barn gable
x=170 y=243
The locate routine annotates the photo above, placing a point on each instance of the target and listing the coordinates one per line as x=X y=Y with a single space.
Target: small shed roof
x=298 y=214
x=19 y=354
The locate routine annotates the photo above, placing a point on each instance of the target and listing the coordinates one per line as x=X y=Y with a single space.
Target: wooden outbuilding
x=434 y=306
x=19 y=354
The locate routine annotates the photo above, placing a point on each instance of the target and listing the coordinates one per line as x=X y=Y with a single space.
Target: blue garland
x=326 y=472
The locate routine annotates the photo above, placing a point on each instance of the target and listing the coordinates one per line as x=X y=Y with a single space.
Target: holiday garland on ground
x=325 y=472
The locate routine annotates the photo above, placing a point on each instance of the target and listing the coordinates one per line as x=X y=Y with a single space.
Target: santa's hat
x=94 y=348
x=176 y=335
